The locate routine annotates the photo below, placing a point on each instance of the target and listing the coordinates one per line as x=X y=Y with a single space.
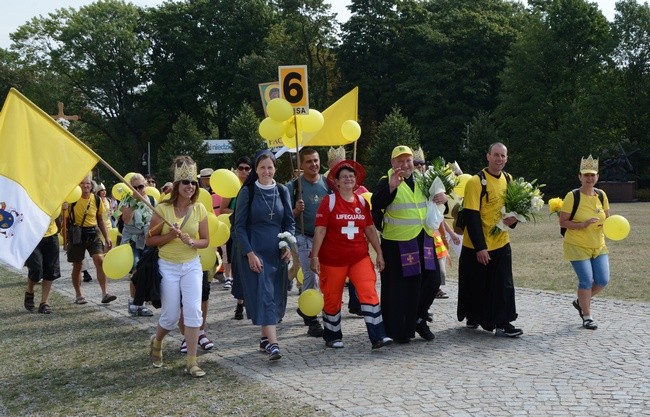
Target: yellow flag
x=40 y=163
x=345 y=108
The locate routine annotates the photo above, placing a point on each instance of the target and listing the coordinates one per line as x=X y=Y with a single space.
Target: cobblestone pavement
x=555 y=368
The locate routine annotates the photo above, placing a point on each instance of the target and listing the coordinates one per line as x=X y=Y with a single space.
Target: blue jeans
x=594 y=271
x=304 y=244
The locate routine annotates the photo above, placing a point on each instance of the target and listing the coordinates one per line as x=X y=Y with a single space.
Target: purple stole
x=410 y=256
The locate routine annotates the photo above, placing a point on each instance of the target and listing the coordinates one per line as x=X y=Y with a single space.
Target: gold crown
x=418 y=155
x=335 y=155
x=186 y=171
x=589 y=165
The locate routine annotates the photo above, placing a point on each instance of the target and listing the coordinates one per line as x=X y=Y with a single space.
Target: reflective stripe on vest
x=404 y=216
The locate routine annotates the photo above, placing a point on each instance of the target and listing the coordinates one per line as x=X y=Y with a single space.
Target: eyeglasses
x=243 y=168
x=151 y=182
x=188 y=182
x=139 y=187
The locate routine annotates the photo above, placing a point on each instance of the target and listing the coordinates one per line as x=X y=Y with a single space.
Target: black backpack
x=458 y=213
x=576 y=202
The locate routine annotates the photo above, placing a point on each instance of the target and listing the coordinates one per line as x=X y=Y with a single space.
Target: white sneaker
x=227 y=284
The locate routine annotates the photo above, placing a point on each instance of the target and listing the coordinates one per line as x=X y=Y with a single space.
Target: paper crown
x=455 y=168
x=589 y=165
x=334 y=155
x=418 y=155
x=185 y=171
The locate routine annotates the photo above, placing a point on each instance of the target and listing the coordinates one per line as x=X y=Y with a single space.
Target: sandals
x=155 y=353
x=204 y=342
x=44 y=308
x=80 y=300
x=195 y=371
x=589 y=324
x=29 y=301
x=576 y=305
x=107 y=298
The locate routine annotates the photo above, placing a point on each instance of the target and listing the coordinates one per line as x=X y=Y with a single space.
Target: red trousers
x=332 y=280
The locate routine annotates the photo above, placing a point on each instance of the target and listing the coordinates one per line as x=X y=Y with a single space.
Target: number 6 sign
x=293 y=87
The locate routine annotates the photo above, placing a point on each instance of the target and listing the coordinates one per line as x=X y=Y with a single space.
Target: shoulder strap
x=484 y=193
x=251 y=193
x=600 y=195
x=576 y=202
x=362 y=200
x=332 y=201
x=187 y=216
x=294 y=189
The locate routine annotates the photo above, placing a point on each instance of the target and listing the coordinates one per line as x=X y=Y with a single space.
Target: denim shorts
x=593 y=271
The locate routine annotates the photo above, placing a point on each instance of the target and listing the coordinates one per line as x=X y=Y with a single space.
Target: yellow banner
x=345 y=108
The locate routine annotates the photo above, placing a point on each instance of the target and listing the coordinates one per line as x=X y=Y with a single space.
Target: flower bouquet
x=440 y=170
x=555 y=205
x=522 y=200
x=286 y=241
x=439 y=177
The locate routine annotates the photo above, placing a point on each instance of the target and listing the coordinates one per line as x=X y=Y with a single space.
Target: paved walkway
x=555 y=368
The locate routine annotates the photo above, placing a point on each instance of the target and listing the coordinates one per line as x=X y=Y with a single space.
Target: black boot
x=239 y=312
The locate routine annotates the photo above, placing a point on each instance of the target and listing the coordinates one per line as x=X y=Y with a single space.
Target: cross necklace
x=271 y=207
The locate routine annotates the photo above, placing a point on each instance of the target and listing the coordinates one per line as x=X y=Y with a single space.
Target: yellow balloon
x=300 y=276
x=206 y=199
x=271 y=129
x=224 y=218
x=290 y=131
x=121 y=190
x=165 y=197
x=279 y=109
x=128 y=176
x=459 y=189
x=221 y=236
x=113 y=233
x=367 y=195
x=225 y=183
x=616 y=227
x=208 y=258
x=351 y=130
x=153 y=192
x=312 y=122
x=311 y=302
x=118 y=261
x=213 y=223
x=74 y=195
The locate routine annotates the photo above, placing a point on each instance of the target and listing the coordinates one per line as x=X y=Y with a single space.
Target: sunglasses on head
x=243 y=168
x=188 y=182
x=139 y=187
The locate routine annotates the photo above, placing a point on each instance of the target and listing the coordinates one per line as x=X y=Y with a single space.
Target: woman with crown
x=584 y=241
x=179 y=262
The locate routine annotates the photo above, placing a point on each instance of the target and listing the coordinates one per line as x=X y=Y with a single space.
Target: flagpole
x=302 y=219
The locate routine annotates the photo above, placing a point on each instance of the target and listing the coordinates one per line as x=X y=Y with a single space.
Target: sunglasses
x=243 y=168
x=151 y=182
x=188 y=182
x=418 y=164
x=139 y=187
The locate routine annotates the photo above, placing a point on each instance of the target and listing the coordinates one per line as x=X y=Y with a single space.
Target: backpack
x=576 y=203
x=457 y=211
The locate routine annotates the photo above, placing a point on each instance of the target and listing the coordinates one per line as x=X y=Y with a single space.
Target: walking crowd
x=330 y=224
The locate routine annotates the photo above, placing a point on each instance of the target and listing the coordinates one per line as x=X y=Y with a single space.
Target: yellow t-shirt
x=581 y=244
x=176 y=251
x=91 y=216
x=51 y=229
x=490 y=208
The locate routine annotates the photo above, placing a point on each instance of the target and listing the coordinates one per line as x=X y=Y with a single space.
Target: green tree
x=184 y=139
x=629 y=110
x=547 y=83
x=244 y=131
x=394 y=130
x=98 y=58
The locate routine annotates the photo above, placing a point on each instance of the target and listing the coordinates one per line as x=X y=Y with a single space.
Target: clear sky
x=17 y=12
